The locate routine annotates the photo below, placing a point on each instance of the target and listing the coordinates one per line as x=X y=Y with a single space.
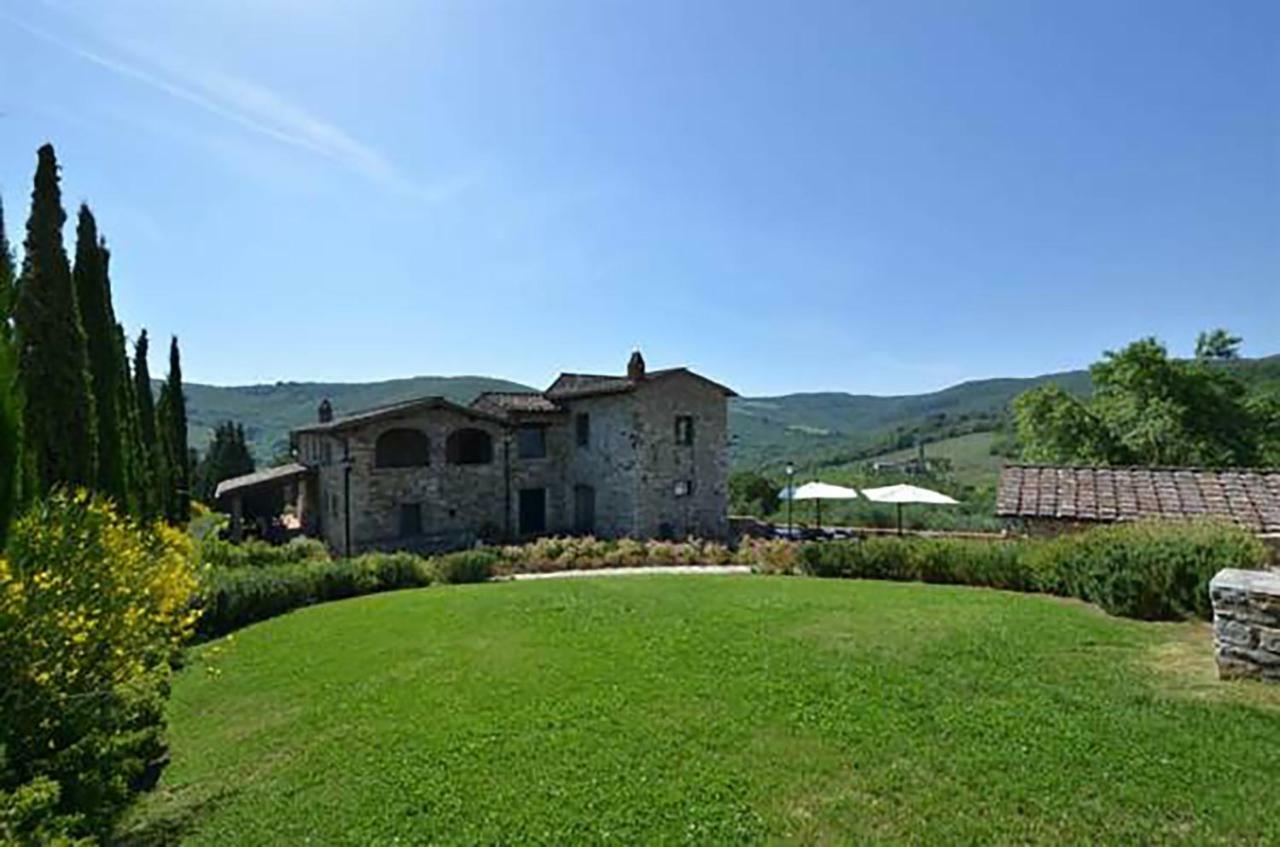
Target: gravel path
x=659 y=569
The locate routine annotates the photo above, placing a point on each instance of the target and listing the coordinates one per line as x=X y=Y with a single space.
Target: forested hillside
x=810 y=429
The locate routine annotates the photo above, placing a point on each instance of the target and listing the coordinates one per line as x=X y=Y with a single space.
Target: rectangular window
x=582 y=424
x=684 y=430
x=531 y=441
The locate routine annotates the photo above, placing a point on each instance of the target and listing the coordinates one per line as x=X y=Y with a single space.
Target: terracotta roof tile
x=502 y=402
x=1249 y=497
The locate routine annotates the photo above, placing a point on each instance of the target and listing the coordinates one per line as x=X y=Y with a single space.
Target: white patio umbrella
x=899 y=494
x=817 y=492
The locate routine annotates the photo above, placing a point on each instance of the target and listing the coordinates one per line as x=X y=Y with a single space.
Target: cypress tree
x=59 y=419
x=173 y=421
x=102 y=334
x=166 y=487
x=137 y=471
x=142 y=390
x=227 y=456
x=154 y=503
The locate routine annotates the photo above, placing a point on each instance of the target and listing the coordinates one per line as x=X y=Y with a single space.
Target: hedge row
x=232 y=597
x=1150 y=571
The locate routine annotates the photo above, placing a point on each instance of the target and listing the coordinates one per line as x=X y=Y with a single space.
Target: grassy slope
x=708 y=710
x=971 y=460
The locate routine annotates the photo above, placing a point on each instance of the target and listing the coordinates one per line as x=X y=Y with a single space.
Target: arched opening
x=402 y=448
x=469 y=446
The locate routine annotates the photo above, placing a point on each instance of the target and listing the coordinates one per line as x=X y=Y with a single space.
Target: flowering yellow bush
x=93 y=609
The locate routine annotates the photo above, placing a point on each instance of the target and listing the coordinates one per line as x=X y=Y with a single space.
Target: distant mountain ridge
x=805 y=428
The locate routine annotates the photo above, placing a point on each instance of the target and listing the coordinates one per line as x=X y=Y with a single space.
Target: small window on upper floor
x=469 y=446
x=684 y=429
x=582 y=429
x=531 y=441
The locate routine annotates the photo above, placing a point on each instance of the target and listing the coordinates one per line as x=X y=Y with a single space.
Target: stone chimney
x=635 y=366
x=325 y=412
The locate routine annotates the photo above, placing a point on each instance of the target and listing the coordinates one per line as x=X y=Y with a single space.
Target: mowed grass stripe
x=709 y=709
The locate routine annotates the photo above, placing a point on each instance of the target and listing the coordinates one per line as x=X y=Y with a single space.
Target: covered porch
x=260 y=499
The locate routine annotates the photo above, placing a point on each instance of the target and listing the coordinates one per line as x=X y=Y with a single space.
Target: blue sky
x=880 y=197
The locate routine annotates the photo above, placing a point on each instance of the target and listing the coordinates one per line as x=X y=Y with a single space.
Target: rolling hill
x=822 y=428
x=268 y=412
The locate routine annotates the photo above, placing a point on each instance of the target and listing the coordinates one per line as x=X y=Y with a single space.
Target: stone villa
x=643 y=454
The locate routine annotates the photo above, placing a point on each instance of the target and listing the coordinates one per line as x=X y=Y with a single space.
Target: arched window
x=469 y=446
x=401 y=448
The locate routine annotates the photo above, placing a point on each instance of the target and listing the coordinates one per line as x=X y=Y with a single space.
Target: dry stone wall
x=1246 y=623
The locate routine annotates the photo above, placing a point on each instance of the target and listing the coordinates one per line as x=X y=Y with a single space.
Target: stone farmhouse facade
x=643 y=455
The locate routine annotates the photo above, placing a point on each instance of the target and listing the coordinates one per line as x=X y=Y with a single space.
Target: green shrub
x=233 y=597
x=467 y=566
x=220 y=553
x=93 y=610
x=1151 y=571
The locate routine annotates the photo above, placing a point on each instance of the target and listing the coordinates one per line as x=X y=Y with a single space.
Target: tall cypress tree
x=102 y=334
x=156 y=502
x=59 y=419
x=172 y=421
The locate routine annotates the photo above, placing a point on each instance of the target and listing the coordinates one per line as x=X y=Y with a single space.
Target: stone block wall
x=701 y=468
x=1246 y=623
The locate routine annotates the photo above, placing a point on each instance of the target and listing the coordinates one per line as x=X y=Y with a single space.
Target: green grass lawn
x=713 y=709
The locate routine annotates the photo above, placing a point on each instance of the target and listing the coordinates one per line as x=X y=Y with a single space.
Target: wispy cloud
x=253 y=107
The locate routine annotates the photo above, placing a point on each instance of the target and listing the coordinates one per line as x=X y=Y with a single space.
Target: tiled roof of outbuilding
x=1249 y=497
x=394 y=409
x=279 y=474
x=502 y=402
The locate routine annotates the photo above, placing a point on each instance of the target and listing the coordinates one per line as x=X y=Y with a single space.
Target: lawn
x=709 y=710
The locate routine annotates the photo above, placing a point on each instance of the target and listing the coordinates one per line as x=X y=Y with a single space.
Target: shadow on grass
x=1184 y=665
x=179 y=818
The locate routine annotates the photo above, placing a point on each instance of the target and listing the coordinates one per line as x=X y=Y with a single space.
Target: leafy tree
x=228 y=456
x=10 y=439
x=752 y=493
x=171 y=422
x=59 y=418
x=7 y=293
x=1149 y=409
x=10 y=407
x=1218 y=344
x=106 y=349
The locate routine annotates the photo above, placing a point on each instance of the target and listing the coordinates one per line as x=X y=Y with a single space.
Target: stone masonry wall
x=608 y=463
x=453 y=498
x=1246 y=623
x=704 y=465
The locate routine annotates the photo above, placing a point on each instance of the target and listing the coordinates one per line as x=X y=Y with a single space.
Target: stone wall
x=664 y=464
x=607 y=463
x=1246 y=623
